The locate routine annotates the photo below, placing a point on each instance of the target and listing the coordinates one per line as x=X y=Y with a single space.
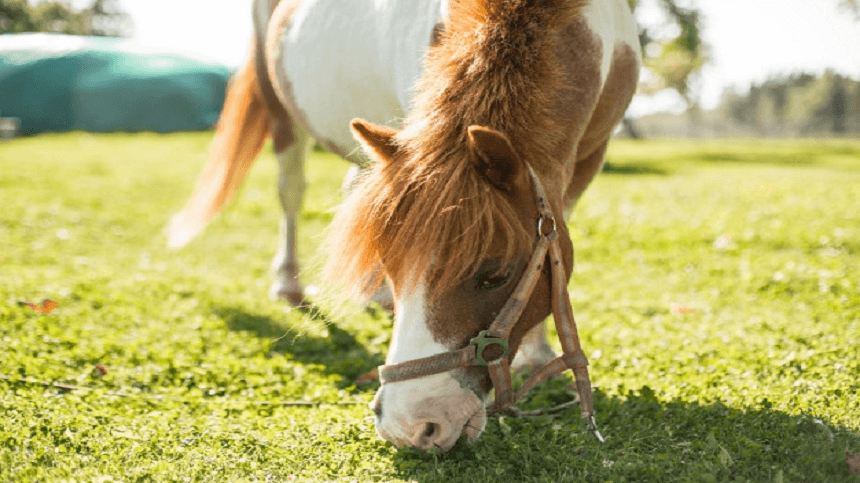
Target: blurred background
x=728 y=68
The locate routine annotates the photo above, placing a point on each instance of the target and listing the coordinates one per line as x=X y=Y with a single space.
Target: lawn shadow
x=338 y=351
x=630 y=169
x=779 y=159
x=800 y=157
x=646 y=440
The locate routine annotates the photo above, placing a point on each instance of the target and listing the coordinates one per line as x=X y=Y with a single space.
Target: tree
x=676 y=54
x=831 y=115
x=796 y=105
x=59 y=17
x=103 y=18
x=15 y=17
x=108 y=20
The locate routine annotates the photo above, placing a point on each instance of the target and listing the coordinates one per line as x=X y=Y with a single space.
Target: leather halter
x=473 y=354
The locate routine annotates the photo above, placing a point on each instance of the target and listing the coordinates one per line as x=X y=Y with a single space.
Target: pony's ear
x=377 y=141
x=494 y=158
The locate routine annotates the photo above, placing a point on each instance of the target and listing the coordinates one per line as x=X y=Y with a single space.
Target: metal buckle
x=592 y=426
x=482 y=341
x=546 y=218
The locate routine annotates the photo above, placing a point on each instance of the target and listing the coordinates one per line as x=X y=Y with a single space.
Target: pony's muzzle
x=438 y=425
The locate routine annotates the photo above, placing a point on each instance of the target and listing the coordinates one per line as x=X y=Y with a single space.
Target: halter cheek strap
x=497 y=335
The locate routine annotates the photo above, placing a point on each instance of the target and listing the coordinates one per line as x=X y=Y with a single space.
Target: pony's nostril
x=376 y=407
x=429 y=435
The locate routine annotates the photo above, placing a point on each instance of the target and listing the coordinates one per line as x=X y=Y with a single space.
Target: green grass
x=716 y=287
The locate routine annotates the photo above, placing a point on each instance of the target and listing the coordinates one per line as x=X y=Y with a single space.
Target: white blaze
x=437 y=399
x=412 y=339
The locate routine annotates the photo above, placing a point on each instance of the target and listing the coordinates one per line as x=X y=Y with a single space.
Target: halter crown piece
x=473 y=354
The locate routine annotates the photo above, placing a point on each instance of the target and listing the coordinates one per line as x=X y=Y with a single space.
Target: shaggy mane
x=494 y=66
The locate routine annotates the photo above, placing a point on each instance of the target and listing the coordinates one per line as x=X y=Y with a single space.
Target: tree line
x=796 y=105
x=673 y=52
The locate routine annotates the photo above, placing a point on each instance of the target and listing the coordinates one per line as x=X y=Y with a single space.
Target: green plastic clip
x=482 y=341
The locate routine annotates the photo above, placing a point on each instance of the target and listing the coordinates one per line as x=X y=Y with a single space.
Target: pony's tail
x=242 y=131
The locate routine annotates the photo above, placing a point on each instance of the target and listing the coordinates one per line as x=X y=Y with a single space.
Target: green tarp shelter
x=54 y=82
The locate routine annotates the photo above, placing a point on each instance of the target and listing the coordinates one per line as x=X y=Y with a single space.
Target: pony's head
x=452 y=236
x=446 y=212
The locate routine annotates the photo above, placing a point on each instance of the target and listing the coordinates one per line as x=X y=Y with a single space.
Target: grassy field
x=717 y=288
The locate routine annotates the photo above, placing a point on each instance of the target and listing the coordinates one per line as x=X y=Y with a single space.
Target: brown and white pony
x=462 y=97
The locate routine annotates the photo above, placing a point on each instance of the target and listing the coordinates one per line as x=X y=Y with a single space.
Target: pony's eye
x=491 y=280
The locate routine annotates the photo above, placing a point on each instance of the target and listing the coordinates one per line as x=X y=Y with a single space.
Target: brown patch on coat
x=282 y=124
x=584 y=172
x=579 y=51
x=616 y=96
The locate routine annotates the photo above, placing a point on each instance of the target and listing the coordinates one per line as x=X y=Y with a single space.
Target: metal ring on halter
x=551 y=220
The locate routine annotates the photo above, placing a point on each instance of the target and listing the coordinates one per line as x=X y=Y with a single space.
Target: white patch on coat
x=437 y=399
x=613 y=22
x=356 y=58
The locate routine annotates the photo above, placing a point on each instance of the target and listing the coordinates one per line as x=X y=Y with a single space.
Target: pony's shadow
x=732 y=444
x=337 y=351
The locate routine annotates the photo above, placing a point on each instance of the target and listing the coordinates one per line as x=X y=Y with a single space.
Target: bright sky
x=749 y=40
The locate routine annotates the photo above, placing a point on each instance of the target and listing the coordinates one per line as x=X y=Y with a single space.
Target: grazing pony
x=483 y=116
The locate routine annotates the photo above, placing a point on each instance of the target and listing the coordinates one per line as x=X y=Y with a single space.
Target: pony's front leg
x=534 y=350
x=291 y=188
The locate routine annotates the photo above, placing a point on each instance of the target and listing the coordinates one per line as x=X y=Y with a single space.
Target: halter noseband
x=572 y=356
